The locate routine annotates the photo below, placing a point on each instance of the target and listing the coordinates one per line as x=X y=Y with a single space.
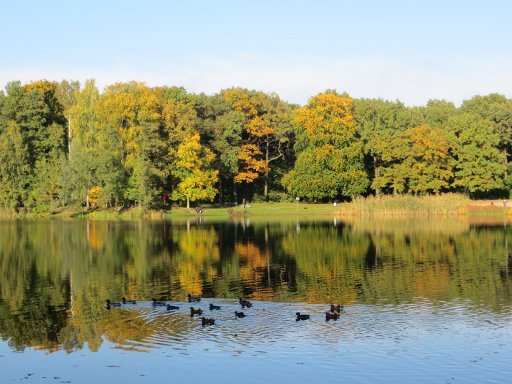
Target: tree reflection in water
x=55 y=275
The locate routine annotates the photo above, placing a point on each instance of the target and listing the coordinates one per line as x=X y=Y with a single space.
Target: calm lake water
x=425 y=301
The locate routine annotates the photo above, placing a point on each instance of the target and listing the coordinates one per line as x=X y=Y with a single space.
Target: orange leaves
x=428 y=142
x=257 y=134
x=252 y=166
x=258 y=127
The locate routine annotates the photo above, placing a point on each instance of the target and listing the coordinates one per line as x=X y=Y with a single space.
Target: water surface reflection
x=395 y=278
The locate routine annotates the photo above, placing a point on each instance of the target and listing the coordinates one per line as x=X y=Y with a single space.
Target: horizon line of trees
x=66 y=144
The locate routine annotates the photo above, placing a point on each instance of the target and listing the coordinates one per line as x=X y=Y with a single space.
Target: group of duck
x=332 y=314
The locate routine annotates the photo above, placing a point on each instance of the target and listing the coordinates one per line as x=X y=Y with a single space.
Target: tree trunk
x=188 y=203
x=376 y=174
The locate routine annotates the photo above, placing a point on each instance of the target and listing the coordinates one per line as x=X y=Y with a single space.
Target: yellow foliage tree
x=193 y=169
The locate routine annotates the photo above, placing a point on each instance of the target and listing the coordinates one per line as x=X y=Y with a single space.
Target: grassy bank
x=385 y=206
x=257 y=210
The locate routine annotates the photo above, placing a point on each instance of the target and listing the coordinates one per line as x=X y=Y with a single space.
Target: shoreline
x=383 y=207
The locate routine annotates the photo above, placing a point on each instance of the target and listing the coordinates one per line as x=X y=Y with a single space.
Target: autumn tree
x=179 y=119
x=129 y=114
x=192 y=169
x=330 y=156
x=266 y=132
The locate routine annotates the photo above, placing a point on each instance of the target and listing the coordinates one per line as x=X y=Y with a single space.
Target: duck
x=302 y=316
x=159 y=303
x=336 y=308
x=193 y=299
x=214 y=307
x=205 y=321
x=172 y=307
x=128 y=301
x=244 y=303
x=331 y=316
x=112 y=304
x=239 y=314
x=194 y=311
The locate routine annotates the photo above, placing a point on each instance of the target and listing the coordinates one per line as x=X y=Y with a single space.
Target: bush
x=274 y=197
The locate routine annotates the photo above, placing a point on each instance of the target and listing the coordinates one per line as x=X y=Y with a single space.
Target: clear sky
x=408 y=50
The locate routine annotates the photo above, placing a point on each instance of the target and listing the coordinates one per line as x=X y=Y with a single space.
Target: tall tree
x=496 y=109
x=66 y=93
x=418 y=161
x=179 y=119
x=193 y=170
x=267 y=130
x=330 y=155
x=86 y=153
x=378 y=122
x=479 y=165
x=14 y=166
x=130 y=112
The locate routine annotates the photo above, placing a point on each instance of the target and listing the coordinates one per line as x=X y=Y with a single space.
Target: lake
x=425 y=301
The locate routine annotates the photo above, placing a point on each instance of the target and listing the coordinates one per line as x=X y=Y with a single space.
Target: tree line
x=65 y=144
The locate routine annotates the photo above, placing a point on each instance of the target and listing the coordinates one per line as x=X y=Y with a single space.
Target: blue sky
x=407 y=50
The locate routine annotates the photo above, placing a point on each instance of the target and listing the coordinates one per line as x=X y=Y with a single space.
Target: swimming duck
x=194 y=311
x=128 y=301
x=245 y=303
x=111 y=304
x=206 y=321
x=172 y=307
x=159 y=303
x=214 y=307
x=336 y=308
x=302 y=316
x=239 y=314
x=331 y=316
x=192 y=299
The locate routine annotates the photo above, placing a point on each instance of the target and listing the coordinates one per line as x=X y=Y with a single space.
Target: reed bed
x=407 y=205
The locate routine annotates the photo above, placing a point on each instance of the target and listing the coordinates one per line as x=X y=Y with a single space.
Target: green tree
x=418 y=162
x=496 y=109
x=85 y=151
x=378 y=122
x=14 y=166
x=479 y=165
